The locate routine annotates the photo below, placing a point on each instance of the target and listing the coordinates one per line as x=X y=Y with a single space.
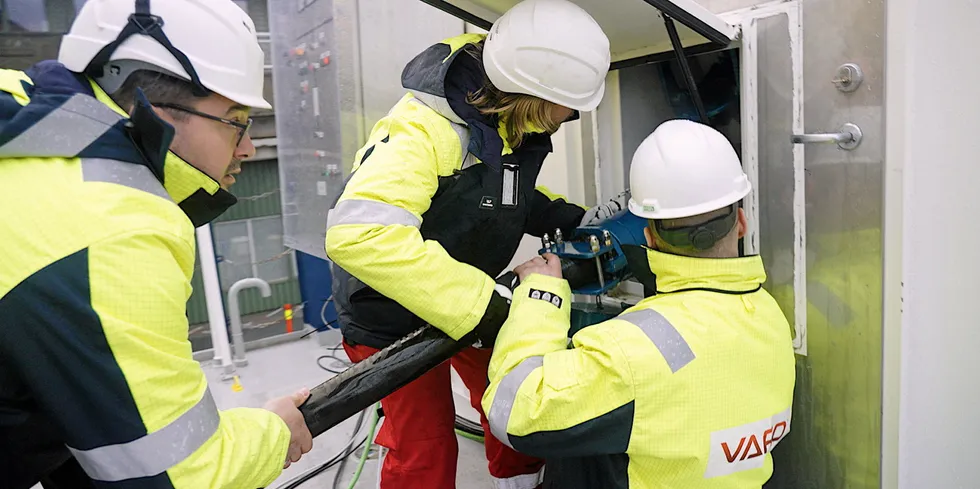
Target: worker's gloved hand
x=497 y=310
x=604 y=211
x=300 y=439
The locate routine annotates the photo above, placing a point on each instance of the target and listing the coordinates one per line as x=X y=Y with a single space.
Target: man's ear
x=742 y=224
x=648 y=233
x=163 y=115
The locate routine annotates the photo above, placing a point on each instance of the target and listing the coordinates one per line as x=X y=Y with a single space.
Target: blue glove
x=602 y=212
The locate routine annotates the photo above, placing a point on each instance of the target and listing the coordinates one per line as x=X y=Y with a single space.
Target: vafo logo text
x=744 y=447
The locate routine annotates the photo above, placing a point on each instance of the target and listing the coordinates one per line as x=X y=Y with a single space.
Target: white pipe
x=212 y=295
x=236 y=318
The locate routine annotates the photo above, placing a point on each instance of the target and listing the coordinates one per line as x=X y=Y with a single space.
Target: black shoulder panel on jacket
x=53 y=342
x=607 y=434
x=605 y=471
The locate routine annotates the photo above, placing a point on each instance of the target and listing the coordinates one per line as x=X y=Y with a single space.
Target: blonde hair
x=521 y=114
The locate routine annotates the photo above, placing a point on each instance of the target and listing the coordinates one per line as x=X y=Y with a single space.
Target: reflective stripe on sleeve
x=523 y=481
x=357 y=211
x=156 y=452
x=503 y=401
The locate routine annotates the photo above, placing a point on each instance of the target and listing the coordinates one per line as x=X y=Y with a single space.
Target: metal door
x=835 y=210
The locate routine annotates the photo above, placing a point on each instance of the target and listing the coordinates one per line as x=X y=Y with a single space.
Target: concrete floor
x=282 y=369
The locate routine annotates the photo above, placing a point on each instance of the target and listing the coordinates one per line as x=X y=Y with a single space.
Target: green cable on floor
x=370 y=438
x=367 y=447
x=469 y=436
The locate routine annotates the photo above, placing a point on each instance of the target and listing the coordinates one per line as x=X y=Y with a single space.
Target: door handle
x=848 y=138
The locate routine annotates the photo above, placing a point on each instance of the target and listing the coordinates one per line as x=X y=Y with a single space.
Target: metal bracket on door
x=848 y=138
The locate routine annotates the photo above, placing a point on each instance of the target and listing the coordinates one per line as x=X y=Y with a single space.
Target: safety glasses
x=242 y=128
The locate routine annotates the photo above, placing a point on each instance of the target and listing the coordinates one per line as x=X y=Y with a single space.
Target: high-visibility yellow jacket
x=96 y=255
x=436 y=208
x=691 y=388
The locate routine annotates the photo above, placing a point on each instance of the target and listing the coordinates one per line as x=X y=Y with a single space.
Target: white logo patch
x=744 y=447
x=548 y=297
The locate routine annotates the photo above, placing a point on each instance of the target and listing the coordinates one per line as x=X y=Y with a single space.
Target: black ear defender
x=700 y=236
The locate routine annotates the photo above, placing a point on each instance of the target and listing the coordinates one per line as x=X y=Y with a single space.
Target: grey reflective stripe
x=663 y=335
x=66 y=131
x=357 y=211
x=523 y=481
x=438 y=104
x=130 y=175
x=156 y=452
x=463 y=133
x=503 y=401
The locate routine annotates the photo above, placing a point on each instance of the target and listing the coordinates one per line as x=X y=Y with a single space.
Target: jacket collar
x=84 y=122
x=181 y=179
x=666 y=273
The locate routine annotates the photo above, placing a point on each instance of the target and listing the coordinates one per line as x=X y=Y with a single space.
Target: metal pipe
x=237 y=337
x=692 y=87
x=212 y=296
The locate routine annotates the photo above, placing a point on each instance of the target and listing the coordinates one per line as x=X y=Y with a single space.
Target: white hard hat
x=212 y=45
x=551 y=49
x=685 y=169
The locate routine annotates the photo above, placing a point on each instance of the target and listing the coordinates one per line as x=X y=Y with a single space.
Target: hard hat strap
x=142 y=22
x=700 y=236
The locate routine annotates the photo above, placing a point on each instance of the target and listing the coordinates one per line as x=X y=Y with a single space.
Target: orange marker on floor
x=288 y=312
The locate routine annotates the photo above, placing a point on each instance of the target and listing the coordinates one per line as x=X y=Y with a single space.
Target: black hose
x=377 y=376
x=579 y=273
x=467 y=426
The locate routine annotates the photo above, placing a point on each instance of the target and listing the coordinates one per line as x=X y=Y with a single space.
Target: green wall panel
x=259 y=178
x=257 y=187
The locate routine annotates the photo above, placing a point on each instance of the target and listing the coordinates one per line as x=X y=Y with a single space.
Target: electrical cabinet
x=337 y=69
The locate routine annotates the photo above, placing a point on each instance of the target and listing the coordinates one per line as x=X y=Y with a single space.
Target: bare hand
x=547 y=264
x=300 y=439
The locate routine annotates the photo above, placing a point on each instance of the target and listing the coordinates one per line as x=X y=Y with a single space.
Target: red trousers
x=418 y=429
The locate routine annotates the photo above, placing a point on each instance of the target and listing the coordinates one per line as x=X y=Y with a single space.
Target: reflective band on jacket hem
x=131 y=175
x=156 y=452
x=503 y=401
x=523 y=481
x=65 y=132
x=664 y=336
x=357 y=211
